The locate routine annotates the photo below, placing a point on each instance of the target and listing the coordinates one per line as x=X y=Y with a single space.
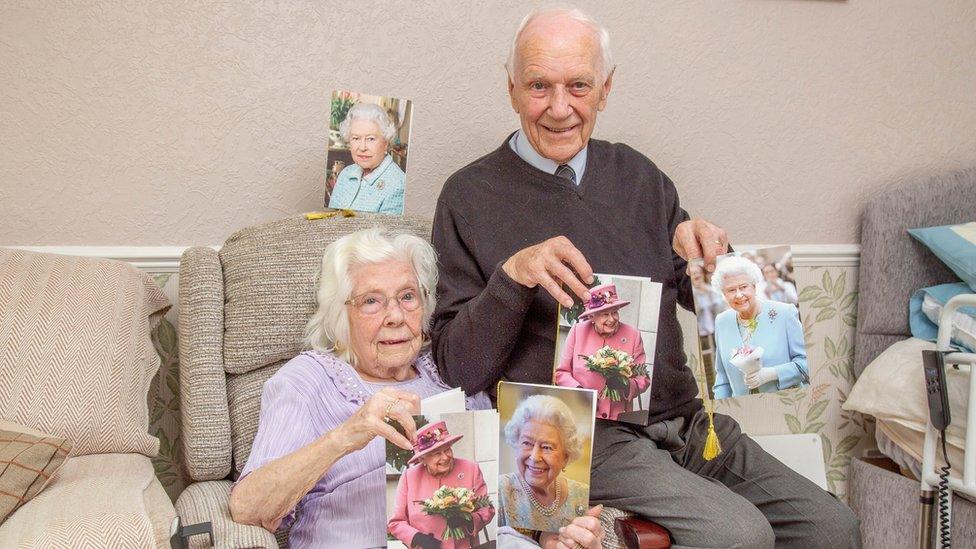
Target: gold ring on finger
x=389 y=408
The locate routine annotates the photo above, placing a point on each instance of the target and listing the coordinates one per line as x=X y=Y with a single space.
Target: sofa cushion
x=270 y=275
x=93 y=501
x=76 y=357
x=28 y=460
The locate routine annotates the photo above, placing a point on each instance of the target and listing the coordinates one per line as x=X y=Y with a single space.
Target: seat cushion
x=93 y=501
x=76 y=357
x=270 y=274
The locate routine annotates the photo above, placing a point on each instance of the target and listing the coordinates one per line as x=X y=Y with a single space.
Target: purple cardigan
x=309 y=396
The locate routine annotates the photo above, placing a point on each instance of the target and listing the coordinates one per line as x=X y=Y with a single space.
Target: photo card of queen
x=607 y=344
x=545 y=449
x=444 y=491
x=366 y=164
x=750 y=337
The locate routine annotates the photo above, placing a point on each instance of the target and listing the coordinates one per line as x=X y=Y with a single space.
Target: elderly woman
x=375 y=182
x=758 y=343
x=599 y=326
x=435 y=467
x=537 y=496
x=319 y=448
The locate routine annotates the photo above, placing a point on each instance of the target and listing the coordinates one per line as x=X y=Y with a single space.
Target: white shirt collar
x=520 y=144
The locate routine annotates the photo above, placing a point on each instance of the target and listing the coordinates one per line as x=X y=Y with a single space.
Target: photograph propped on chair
x=750 y=337
x=367 y=158
x=607 y=344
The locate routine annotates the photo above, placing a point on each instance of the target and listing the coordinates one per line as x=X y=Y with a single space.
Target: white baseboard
x=166 y=259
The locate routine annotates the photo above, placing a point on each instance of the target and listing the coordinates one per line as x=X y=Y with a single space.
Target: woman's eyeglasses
x=372 y=303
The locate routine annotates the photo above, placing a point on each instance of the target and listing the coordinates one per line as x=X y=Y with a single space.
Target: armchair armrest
x=622 y=529
x=207 y=502
x=203 y=391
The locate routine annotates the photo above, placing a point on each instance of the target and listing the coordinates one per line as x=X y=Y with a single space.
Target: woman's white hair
x=600 y=33
x=328 y=329
x=368 y=111
x=545 y=409
x=735 y=265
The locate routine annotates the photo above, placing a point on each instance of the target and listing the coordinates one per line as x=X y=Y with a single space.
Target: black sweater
x=622 y=217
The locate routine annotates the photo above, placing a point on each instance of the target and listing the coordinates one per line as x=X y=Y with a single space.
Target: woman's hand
x=585 y=532
x=760 y=377
x=425 y=541
x=370 y=421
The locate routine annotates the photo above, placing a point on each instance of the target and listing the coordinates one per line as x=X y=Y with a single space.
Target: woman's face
x=540 y=455
x=366 y=143
x=606 y=323
x=739 y=292
x=385 y=343
x=439 y=463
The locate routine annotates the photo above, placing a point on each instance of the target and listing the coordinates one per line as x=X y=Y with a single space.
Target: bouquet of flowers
x=456 y=506
x=617 y=367
x=748 y=360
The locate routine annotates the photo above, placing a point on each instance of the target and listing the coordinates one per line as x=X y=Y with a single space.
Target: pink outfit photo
x=417 y=485
x=572 y=370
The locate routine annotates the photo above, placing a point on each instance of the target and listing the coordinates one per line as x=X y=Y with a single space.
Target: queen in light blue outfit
x=375 y=182
x=759 y=343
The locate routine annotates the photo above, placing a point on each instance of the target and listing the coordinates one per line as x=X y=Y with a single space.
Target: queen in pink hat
x=599 y=326
x=433 y=466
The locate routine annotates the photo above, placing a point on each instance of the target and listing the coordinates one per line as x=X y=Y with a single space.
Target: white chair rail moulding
x=166 y=259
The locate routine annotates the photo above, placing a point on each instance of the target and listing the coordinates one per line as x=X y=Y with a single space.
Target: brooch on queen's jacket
x=772 y=315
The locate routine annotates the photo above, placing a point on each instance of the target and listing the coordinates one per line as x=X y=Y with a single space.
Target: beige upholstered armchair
x=242 y=313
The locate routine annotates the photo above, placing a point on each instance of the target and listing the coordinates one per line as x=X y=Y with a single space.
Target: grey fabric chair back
x=242 y=312
x=893 y=264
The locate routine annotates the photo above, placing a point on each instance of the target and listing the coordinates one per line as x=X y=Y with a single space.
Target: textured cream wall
x=175 y=123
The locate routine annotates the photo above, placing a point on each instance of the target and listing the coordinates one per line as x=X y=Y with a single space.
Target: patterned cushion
x=28 y=460
x=270 y=274
x=76 y=357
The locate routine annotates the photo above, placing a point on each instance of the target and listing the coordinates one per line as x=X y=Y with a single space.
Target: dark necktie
x=566 y=172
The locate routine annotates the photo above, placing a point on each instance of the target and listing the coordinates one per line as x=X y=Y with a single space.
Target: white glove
x=760 y=376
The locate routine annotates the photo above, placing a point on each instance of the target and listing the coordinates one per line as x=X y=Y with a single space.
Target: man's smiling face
x=558 y=86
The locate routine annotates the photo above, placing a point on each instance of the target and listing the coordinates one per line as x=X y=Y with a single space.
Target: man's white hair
x=600 y=33
x=368 y=111
x=328 y=329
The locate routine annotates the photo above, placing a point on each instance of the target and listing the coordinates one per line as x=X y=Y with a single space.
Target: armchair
x=242 y=313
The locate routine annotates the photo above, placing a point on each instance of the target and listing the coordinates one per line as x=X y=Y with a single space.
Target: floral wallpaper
x=828 y=301
x=164 y=396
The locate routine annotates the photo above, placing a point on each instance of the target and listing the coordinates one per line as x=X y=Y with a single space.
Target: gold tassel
x=712 y=446
x=344 y=212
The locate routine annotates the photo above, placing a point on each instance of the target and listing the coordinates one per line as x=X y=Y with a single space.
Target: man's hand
x=585 y=532
x=550 y=264
x=698 y=238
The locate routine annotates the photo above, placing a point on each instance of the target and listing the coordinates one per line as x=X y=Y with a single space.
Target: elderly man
x=516 y=226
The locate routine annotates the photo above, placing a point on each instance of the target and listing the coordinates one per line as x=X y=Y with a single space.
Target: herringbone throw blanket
x=76 y=357
x=55 y=520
